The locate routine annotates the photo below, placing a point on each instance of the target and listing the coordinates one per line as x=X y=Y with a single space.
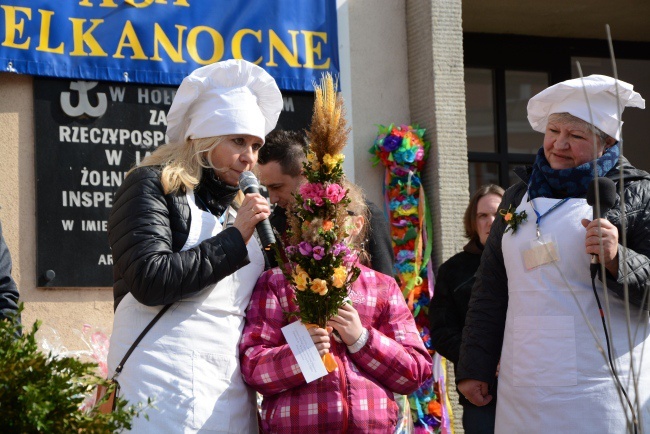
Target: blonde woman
x=177 y=241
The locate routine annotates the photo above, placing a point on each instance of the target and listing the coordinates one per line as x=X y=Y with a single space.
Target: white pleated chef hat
x=229 y=97
x=569 y=97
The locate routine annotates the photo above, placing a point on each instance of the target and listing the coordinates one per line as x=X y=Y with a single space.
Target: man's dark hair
x=288 y=148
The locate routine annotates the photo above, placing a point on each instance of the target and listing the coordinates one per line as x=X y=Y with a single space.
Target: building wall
x=62 y=309
x=374 y=80
x=628 y=20
x=437 y=92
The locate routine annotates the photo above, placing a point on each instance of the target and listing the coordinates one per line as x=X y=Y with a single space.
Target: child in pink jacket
x=379 y=352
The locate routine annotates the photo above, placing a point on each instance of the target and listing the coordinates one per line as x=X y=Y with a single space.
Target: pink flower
x=350 y=259
x=312 y=191
x=305 y=248
x=339 y=248
x=335 y=193
x=319 y=252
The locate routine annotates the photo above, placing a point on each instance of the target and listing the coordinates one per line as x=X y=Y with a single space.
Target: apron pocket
x=544 y=351
x=211 y=375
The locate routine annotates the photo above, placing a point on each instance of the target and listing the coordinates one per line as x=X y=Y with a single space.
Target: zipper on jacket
x=344 y=388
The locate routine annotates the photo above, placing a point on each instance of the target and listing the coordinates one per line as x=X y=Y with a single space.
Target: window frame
x=500 y=53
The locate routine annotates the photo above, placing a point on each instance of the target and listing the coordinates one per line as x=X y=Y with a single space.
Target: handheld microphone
x=606 y=198
x=248 y=184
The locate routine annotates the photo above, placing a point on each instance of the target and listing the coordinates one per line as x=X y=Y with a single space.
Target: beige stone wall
x=374 y=83
x=437 y=101
x=61 y=309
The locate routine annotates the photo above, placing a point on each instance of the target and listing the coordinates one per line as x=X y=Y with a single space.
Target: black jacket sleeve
x=380 y=245
x=140 y=236
x=633 y=260
x=8 y=289
x=446 y=324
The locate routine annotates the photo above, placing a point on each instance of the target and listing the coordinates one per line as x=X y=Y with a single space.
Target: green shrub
x=42 y=393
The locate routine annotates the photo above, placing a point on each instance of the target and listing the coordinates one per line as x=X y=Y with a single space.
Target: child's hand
x=321 y=338
x=347 y=323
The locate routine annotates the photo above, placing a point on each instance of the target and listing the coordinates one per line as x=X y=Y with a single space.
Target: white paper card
x=542 y=251
x=303 y=348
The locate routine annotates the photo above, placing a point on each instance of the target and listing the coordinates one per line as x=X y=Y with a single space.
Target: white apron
x=553 y=377
x=189 y=360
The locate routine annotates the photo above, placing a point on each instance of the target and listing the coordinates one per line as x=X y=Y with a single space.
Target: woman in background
x=451 y=296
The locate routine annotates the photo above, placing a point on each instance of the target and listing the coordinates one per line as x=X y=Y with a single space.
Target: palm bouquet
x=318 y=262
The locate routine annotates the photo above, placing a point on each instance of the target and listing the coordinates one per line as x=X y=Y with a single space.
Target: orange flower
x=301 y=278
x=507 y=217
x=328 y=225
x=434 y=408
x=319 y=286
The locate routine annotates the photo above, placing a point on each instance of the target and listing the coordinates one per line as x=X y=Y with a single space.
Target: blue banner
x=162 y=41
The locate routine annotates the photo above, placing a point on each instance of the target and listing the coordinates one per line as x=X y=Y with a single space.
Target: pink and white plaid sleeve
x=267 y=363
x=394 y=354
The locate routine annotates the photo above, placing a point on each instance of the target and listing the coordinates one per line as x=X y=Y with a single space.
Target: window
x=498 y=132
x=502 y=72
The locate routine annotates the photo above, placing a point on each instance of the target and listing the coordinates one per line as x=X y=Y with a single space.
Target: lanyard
x=539 y=216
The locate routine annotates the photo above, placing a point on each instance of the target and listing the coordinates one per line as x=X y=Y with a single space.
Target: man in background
x=279 y=167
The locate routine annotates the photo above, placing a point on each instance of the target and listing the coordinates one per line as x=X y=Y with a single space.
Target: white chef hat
x=569 y=97
x=229 y=97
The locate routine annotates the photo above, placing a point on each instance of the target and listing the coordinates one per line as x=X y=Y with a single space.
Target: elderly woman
x=453 y=288
x=177 y=242
x=533 y=306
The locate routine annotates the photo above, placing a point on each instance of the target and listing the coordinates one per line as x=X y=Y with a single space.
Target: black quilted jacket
x=146 y=231
x=448 y=308
x=485 y=322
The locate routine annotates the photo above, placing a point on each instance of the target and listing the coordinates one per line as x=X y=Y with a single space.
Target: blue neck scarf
x=548 y=182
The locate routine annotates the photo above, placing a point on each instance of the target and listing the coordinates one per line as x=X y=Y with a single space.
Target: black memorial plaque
x=297 y=111
x=88 y=135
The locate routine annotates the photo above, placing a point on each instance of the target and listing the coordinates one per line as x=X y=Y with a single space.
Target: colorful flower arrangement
x=318 y=261
x=403 y=150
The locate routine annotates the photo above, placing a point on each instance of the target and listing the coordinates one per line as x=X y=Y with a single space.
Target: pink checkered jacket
x=358 y=396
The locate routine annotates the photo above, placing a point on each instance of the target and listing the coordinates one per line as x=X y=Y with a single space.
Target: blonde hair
x=182 y=163
x=358 y=207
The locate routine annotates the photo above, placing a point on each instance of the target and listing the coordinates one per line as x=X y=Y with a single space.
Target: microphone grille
x=247 y=179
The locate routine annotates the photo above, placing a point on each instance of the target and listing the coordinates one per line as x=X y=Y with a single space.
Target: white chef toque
x=229 y=97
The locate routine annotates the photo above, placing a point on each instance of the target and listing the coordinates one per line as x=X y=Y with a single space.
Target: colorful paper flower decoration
x=403 y=150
